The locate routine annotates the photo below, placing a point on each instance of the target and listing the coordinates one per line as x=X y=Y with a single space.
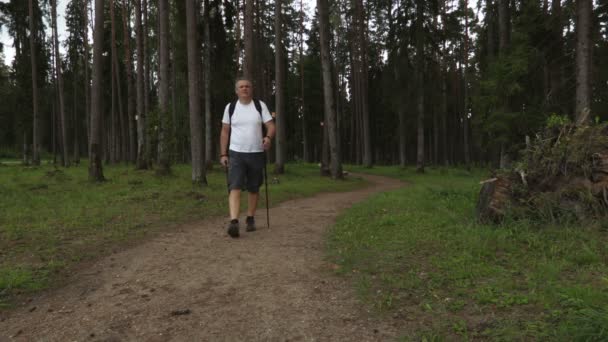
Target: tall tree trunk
x=142 y=162
x=59 y=75
x=328 y=94
x=95 y=167
x=305 y=152
x=126 y=26
x=238 y=37
x=248 y=37
x=207 y=66
x=121 y=140
x=163 y=92
x=147 y=75
x=557 y=51
x=583 y=61
x=75 y=123
x=35 y=134
x=281 y=120
x=361 y=27
x=112 y=126
x=444 y=115
x=87 y=79
x=420 y=84
x=503 y=25
x=196 y=127
x=24 y=156
x=490 y=22
x=465 y=119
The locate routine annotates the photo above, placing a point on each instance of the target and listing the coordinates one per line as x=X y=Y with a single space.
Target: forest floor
x=194 y=283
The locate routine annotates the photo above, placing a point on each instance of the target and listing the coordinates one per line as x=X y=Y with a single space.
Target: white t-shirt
x=246 y=126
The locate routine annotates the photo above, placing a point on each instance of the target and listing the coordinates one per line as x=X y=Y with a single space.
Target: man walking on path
x=242 y=144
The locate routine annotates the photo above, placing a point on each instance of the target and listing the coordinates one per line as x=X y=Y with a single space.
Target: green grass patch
x=53 y=218
x=419 y=253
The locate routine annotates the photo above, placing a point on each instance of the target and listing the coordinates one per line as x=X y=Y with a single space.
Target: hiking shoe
x=250 y=224
x=233 y=228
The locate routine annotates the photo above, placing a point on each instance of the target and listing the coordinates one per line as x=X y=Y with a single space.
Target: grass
x=53 y=219
x=418 y=253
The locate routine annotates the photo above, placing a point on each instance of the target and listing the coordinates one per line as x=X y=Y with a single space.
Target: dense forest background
x=365 y=82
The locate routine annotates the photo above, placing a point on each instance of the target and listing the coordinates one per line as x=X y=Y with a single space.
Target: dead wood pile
x=562 y=175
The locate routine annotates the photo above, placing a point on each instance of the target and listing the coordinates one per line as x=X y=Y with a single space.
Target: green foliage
x=421 y=253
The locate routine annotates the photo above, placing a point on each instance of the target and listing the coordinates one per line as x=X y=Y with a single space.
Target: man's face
x=243 y=89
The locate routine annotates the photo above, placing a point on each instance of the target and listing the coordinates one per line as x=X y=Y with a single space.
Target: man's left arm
x=270 y=132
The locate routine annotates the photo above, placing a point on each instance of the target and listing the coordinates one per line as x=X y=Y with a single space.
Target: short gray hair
x=242 y=78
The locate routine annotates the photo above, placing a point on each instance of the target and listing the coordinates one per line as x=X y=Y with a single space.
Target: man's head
x=243 y=89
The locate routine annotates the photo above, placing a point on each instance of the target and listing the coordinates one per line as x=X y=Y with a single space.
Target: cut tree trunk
x=494 y=197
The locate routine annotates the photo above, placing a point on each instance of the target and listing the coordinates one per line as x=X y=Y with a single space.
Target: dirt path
x=197 y=284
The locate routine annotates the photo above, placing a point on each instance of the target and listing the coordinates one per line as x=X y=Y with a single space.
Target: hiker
x=242 y=144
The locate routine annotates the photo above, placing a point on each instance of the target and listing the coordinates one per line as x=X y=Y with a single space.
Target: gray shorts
x=245 y=171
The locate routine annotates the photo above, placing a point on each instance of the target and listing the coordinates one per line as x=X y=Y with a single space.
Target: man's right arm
x=224 y=143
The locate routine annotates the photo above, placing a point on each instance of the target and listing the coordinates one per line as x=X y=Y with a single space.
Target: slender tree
x=207 y=85
x=503 y=25
x=163 y=91
x=305 y=152
x=87 y=79
x=126 y=28
x=583 y=60
x=142 y=162
x=119 y=141
x=196 y=127
x=281 y=120
x=35 y=134
x=465 y=114
x=420 y=85
x=328 y=93
x=95 y=166
x=248 y=37
x=59 y=78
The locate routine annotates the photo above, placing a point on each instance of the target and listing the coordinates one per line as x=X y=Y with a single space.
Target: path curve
x=197 y=284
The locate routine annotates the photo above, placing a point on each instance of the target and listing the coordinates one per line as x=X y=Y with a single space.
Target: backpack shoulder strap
x=258 y=106
x=231 y=110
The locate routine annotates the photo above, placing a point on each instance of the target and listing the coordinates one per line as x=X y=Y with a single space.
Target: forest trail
x=197 y=284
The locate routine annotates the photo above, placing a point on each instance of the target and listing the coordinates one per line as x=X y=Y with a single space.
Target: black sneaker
x=233 y=228
x=250 y=224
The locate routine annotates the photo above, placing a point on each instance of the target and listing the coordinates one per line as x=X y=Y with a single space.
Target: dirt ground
x=197 y=284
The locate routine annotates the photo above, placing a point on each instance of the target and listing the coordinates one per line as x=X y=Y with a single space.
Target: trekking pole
x=266 y=184
x=227 y=179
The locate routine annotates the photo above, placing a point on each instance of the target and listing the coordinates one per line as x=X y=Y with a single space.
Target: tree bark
x=95 y=166
x=142 y=157
x=196 y=129
x=281 y=120
x=305 y=152
x=503 y=25
x=465 y=119
x=163 y=91
x=207 y=66
x=490 y=28
x=59 y=75
x=35 y=134
x=121 y=140
x=420 y=83
x=126 y=25
x=248 y=37
x=583 y=61
x=556 y=52
x=87 y=80
x=330 y=116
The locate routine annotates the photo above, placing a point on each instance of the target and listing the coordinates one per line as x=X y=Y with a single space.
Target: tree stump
x=494 y=197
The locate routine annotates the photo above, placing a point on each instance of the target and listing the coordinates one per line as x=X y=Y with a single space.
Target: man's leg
x=234 y=202
x=253 y=203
